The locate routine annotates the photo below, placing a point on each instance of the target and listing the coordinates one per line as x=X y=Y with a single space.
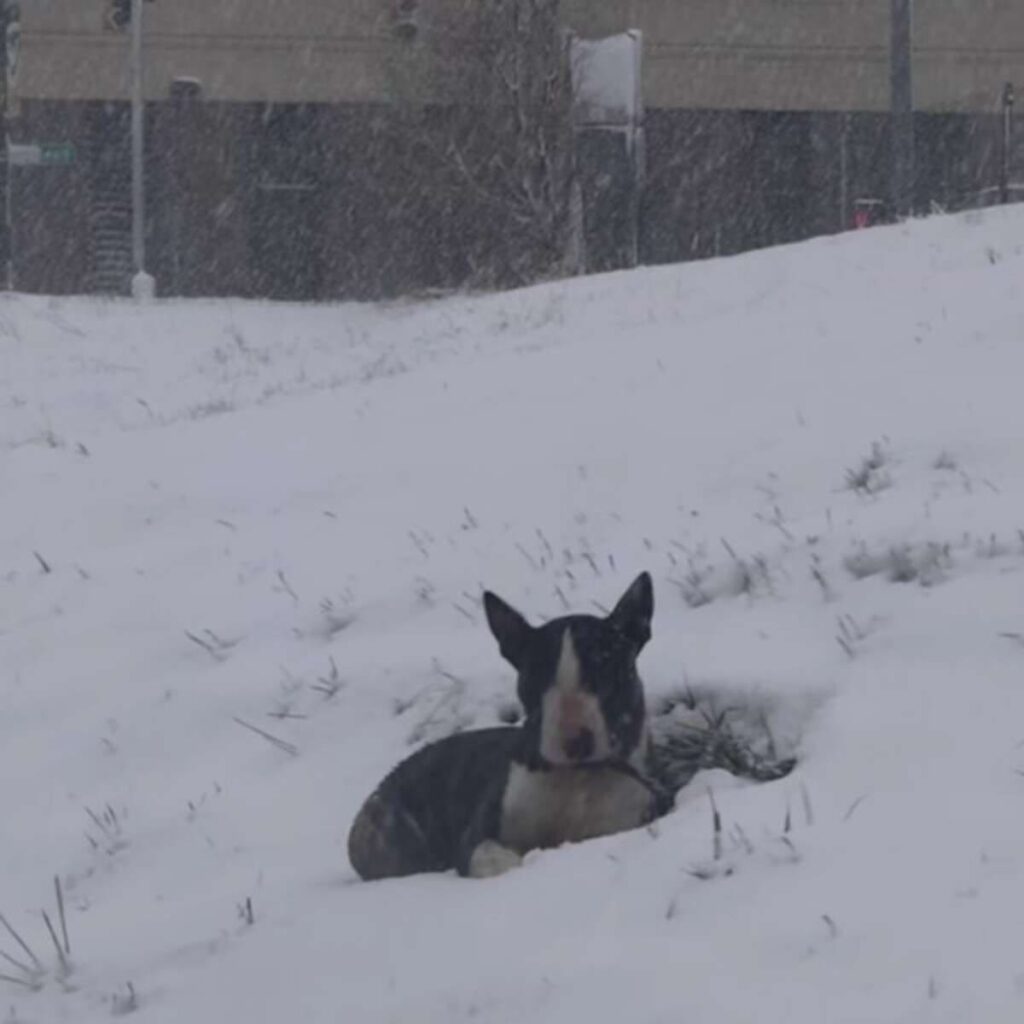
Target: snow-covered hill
x=216 y=513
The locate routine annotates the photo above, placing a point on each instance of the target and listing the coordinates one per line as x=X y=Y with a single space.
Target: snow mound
x=242 y=554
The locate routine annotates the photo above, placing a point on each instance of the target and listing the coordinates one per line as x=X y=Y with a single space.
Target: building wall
x=240 y=50
x=700 y=54
x=813 y=54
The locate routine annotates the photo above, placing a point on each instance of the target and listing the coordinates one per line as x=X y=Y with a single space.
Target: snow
x=815 y=450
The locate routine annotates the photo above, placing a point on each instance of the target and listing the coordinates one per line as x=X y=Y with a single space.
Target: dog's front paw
x=491 y=859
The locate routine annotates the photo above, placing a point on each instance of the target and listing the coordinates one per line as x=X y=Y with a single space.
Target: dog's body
x=574 y=770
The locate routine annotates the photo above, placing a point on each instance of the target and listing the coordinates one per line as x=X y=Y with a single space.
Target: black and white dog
x=576 y=768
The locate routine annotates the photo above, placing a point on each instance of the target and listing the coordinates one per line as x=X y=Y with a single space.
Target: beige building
x=820 y=55
x=765 y=119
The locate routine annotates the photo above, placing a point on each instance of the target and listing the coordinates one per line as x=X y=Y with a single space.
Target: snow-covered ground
x=284 y=515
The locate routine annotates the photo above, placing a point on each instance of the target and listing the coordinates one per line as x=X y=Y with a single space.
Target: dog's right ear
x=510 y=629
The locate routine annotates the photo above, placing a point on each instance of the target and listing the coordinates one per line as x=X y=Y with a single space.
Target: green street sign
x=54 y=154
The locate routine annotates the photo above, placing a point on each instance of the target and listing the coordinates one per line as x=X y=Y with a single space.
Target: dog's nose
x=581 y=746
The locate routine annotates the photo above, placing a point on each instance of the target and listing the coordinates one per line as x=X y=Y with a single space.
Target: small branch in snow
x=833 y=928
x=43 y=563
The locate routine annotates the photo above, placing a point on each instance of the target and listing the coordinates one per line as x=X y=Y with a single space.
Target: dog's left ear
x=632 y=615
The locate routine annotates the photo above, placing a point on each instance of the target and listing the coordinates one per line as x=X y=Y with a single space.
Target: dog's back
x=420 y=817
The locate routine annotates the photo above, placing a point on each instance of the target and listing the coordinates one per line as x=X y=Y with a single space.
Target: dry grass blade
x=205 y=644
x=21 y=942
x=330 y=684
x=853 y=807
x=16 y=963
x=60 y=909
x=98 y=822
x=65 y=966
x=288 y=748
x=808 y=808
x=17 y=981
x=716 y=826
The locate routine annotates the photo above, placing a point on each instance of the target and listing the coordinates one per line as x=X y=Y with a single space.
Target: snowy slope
x=215 y=511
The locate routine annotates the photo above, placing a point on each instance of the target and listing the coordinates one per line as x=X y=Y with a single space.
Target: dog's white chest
x=564 y=805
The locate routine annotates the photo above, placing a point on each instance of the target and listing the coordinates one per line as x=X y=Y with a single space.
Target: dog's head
x=578 y=682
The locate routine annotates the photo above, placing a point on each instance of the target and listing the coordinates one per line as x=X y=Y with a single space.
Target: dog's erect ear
x=632 y=615
x=510 y=629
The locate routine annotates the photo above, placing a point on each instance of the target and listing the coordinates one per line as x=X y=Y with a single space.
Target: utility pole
x=902 y=106
x=143 y=286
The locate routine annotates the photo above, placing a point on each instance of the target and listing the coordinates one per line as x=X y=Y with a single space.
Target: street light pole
x=143 y=285
x=10 y=14
x=902 y=107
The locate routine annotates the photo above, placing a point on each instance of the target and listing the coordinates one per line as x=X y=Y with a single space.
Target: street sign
x=41 y=154
x=56 y=154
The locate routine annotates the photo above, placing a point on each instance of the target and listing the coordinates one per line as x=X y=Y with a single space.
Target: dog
x=576 y=768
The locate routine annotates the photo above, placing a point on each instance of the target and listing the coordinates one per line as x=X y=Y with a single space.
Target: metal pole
x=1004 y=177
x=6 y=230
x=844 y=172
x=142 y=283
x=902 y=107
